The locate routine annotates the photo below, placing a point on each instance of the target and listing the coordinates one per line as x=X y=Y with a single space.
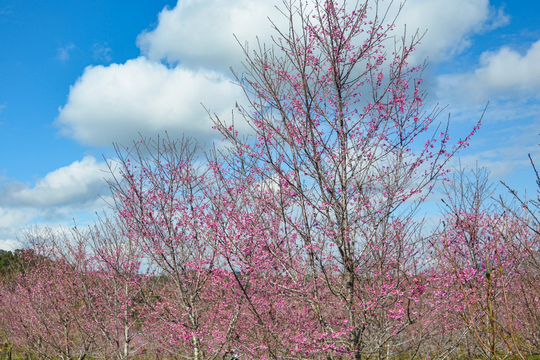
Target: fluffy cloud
x=11 y=220
x=55 y=200
x=9 y=244
x=76 y=184
x=117 y=102
x=12 y=217
x=502 y=75
x=114 y=103
x=449 y=25
x=200 y=33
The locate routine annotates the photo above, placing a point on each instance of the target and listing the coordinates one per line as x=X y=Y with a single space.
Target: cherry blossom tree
x=338 y=128
x=47 y=316
x=526 y=211
x=482 y=261
x=80 y=294
x=113 y=286
x=163 y=199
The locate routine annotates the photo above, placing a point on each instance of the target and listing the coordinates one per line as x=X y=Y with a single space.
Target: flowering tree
x=163 y=200
x=79 y=294
x=46 y=315
x=525 y=210
x=113 y=285
x=482 y=266
x=339 y=130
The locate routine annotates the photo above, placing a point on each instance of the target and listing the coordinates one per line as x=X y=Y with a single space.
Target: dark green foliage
x=8 y=260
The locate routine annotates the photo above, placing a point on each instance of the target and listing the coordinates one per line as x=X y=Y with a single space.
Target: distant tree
x=9 y=264
x=112 y=286
x=7 y=259
x=527 y=307
x=46 y=314
x=163 y=198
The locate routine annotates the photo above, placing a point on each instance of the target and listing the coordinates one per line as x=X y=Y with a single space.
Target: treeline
x=181 y=279
x=7 y=260
x=298 y=237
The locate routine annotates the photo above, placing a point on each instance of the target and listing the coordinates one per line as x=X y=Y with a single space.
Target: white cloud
x=17 y=223
x=200 y=33
x=68 y=193
x=504 y=74
x=9 y=244
x=12 y=217
x=11 y=220
x=449 y=25
x=116 y=102
x=76 y=184
x=501 y=162
x=503 y=152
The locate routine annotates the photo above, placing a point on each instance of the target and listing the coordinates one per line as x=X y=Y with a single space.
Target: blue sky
x=76 y=76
